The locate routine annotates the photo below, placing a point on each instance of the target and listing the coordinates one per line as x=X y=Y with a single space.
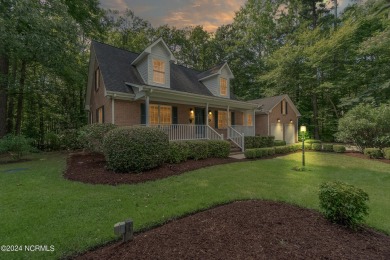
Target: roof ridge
x=115 y=47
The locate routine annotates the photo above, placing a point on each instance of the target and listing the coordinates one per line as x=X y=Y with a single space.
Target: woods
x=325 y=61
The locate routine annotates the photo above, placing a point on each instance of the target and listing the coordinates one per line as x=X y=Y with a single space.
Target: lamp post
x=303 y=130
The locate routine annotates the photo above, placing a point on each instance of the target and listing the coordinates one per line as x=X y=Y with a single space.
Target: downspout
x=113 y=109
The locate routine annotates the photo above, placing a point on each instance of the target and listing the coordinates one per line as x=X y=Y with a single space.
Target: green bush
x=386 y=153
x=258 y=141
x=135 y=149
x=316 y=146
x=282 y=149
x=52 y=141
x=250 y=153
x=279 y=143
x=374 y=153
x=259 y=152
x=343 y=203
x=249 y=142
x=198 y=149
x=338 y=148
x=218 y=148
x=15 y=145
x=313 y=141
x=327 y=147
x=91 y=136
x=70 y=139
x=178 y=152
x=295 y=147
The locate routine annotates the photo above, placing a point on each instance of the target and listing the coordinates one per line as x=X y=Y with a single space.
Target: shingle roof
x=211 y=71
x=266 y=104
x=115 y=66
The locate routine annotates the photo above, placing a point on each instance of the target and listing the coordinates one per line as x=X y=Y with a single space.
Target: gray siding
x=142 y=68
x=212 y=84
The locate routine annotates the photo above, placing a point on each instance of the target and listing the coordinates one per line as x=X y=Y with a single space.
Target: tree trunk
x=19 y=111
x=11 y=98
x=315 y=116
x=4 y=69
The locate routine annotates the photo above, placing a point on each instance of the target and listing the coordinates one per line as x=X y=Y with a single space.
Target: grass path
x=39 y=207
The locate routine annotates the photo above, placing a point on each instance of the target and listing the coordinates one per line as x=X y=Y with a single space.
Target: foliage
x=258 y=141
x=198 y=150
x=178 y=152
x=282 y=149
x=279 y=143
x=135 y=149
x=218 y=148
x=15 y=145
x=295 y=147
x=316 y=146
x=338 y=148
x=312 y=141
x=327 y=147
x=70 y=139
x=250 y=153
x=386 y=153
x=52 y=141
x=343 y=203
x=374 y=153
x=92 y=136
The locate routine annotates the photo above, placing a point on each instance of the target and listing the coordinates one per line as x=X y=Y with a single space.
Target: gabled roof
x=148 y=50
x=116 y=69
x=214 y=71
x=267 y=104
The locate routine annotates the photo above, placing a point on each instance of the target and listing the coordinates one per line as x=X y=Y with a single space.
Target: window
x=249 y=120
x=160 y=114
x=222 y=119
x=158 y=71
x=97 y=79
x=284 y=107
x=223 y=87
x=100 y=115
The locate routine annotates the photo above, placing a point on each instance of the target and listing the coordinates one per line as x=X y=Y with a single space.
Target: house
x=151 y=89
x=277 y=116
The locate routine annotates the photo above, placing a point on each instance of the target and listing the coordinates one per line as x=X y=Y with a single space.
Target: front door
x=199 y=122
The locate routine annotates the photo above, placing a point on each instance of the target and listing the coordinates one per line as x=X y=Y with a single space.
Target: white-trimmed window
x=284 y=107
x=223 y=87
x=222 y=119
x=249 y=120
x=159 y=114
x=158 y=71
x=97 y=79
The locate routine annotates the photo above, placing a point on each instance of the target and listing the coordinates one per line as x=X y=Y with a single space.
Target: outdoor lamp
x=210 y=112
x=191 y=111
x=303 y=130
x=291 y=121
x=278 y=120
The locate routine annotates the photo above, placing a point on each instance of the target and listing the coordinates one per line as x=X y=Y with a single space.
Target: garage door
x=289 y=133
x=277 y=131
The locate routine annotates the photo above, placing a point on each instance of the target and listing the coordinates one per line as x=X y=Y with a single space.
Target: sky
x=181 y=13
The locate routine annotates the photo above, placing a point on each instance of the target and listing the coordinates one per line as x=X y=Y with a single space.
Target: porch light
x=303 y=131
x=191 y=111
x=210 y=112
x=278 y=120
x=291 y=121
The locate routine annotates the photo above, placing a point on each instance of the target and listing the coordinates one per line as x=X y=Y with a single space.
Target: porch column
x=112 y=110
x=228 y=115
x=207 y=114
x=147 y=109
x=254 y=122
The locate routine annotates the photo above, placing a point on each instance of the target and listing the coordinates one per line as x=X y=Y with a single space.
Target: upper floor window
x=284 y=107
x=97 y=79
x=223 y=87
x=250 y=120
x=158 y=71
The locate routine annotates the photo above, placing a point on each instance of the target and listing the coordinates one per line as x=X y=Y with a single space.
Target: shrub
x=374 y=153
x=282 y=149
x=52 y=141
x=135 y=148
x=339 y=148
x=386 y=153
x=316 y=146
x=268 y=151
x=279 y=143
x=92 y=136
x=343 y=203
x=258 y=141
x=198 y=150
x=178 y=152
x=259 y=152
x=15 y=145
x=327 y=147
x=218 y=148
x=249 y=142
x=70 y=139
x=313 y=141
x=268 y=140
x=295 y=147
x=250 y=153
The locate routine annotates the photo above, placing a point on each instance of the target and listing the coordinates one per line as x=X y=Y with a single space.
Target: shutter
x=232 y=119
x=143 y=114
x=102 y=114
x=174 y=116
x=216 y=120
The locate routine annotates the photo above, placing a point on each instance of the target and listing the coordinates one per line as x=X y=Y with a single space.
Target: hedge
x=198 y=149
x=316 y=146
x=386 y=153
x=339 y=148
x=279 y=143
x=258 y=141
x=92 y=136
x=374 y=153
x=313 y=141
x=218 y=148
x=178 y=152
x=282 y=149
x=327 y=147
x=259 y=152
x=15 y=145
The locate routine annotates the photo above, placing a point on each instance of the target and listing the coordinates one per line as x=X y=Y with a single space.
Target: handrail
x=236 y=137
x=212 y=134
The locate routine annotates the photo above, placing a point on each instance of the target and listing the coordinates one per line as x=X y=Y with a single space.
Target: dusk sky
x=181 y=13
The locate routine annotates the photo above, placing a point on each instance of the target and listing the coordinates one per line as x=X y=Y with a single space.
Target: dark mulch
x=250 y=230
x=362 y=156
x=90 y=168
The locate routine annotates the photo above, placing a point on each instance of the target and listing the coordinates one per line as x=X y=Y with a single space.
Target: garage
x=289 y=135
x=277 y=131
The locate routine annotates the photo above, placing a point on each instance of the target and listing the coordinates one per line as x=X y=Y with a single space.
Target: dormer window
x=223 y=87
x=158 y=71
x=97 y=79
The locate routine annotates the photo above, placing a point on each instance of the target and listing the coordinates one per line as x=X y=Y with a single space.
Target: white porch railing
x=246 y=130
x=189 y=132
x=236 y=137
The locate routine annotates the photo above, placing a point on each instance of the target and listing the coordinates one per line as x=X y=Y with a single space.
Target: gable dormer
x=153 y=64
x=217 y=80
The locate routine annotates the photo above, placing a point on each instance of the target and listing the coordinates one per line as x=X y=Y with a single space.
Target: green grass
x=39 y=207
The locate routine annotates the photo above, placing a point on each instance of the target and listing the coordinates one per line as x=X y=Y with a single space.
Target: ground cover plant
x=39 y=206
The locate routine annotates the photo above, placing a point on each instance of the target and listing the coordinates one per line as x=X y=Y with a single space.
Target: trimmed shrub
x=15 y=145
x=70 y=139
x=198 y=150
x=218 y=148
x=134 y=149
x=295 y=147
x=250 y=153
x=386 y=153
x=279 y=143
x=249 y=142
x=258 y=141
x=327 y=147
x=374 y=153
x=268 y=140
x=316 y=146
x=259 y=152
x=282 y=149
x=91 y=136
x=343 y=203
x=178 y=152
x=313 y=141
x=338 y=148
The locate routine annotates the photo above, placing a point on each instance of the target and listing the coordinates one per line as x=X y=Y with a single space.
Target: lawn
x=39 y=207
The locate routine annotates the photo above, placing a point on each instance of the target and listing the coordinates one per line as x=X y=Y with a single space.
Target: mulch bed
x=90 y=168
x=250 y=230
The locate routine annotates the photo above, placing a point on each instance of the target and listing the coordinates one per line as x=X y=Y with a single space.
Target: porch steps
x=234 y=149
